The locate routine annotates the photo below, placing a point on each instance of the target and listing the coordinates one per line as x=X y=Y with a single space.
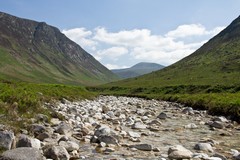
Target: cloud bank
x=120 y=49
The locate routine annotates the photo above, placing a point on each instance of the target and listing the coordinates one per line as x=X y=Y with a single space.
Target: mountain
x=217 y=62
x=137 y=70
x=37 y=52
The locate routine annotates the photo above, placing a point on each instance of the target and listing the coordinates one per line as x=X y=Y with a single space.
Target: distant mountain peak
x=137 y=70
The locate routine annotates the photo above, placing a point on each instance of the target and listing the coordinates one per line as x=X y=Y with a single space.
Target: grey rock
x=217 y=124
x=6 y=139
x=108 y=139
x=142 y=147
x=43 y=136
x=191 y=126
x=23 y=153
x=162 y=116
x=188 y=110
x=26 y=141
x=204 y=147
x=139 y=125
x=236 y=156
x=134 y=134
x=36 y=129
x=219 y=156
x=103 y=130
x=69 y=145
x=64 y=129
x=221 y=119
x=179 y=152
x=56 y=153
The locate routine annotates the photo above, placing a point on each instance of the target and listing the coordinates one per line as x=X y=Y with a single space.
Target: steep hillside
x=216 y=63
x=137 y=70
x=36 y=52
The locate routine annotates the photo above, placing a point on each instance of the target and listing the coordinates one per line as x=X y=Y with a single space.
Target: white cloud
x=81 y=36
x=192 y=30
x=112 y=53
x=114 y=66
x=141 y=45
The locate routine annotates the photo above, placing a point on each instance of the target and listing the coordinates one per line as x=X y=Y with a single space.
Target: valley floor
x=110 y=127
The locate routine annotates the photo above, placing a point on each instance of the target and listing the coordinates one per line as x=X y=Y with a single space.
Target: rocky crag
x=124 y=128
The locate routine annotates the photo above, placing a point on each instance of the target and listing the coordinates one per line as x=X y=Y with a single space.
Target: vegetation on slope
x=20 y=101
x=36 y=52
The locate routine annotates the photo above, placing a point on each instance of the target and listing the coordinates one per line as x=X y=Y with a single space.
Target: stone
x=23 y=153
x=56 y=153
x=64 y=129
x=134 y=134
x=156 y=149
x=191 y=126
x=155 y=122
x=221 y=119
x=142 y=147
x=236 y=156
x=179 y=152
x=217 y=124
x=162 y=116
x=36 y=129
x=26 y=141
x=109 y=149
x=43 y=136
x=188 y=110
x=108 y=139
x=103 y=130
x=204 y=147
x=139 y=125
x=105 y=108
x=222 y=157
x=6 y=139
x=69 y=145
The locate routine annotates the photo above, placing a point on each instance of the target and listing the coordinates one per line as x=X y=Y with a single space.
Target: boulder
x=36 y=129
x=134 y=134
x=69 y=145
x=23 y=153
x=139 y=125
x=188 y=110
x=162 y=116
x=64 y=129
x=108 y=139
x=6 y=139
x=25 y=141
x=204 y=147
x=179 y=152
x=142 y=147
x=56 y=153
x=217 y=124
x=103 y=130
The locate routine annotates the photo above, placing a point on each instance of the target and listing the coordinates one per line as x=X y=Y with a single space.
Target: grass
x=20 y=101
x=218 y=100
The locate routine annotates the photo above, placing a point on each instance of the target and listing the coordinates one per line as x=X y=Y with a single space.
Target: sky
x=122 y=33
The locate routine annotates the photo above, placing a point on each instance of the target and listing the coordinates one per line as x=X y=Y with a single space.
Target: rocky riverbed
x=111 y=127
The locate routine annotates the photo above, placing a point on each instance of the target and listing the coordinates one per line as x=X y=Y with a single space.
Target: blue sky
x=121 y=33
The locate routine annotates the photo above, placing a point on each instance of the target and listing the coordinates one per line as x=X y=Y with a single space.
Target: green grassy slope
x=36 y=52
x=216 y=63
